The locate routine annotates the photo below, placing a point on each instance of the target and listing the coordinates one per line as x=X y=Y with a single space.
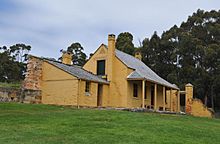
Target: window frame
x=135 y=90
x=145 y=94
x=87 y=86
x=98 y=67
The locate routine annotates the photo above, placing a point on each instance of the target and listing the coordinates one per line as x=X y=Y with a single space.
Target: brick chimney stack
x=111 y=55
x=138 y=55
x=67 y=58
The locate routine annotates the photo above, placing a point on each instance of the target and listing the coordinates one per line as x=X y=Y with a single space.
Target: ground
x=26 y=123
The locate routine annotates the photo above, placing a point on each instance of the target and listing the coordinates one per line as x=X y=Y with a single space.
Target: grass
x=26 y=123
x=10 y=85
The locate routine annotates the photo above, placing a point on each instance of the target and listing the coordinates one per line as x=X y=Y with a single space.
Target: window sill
x=87 y=94
x=136 y=98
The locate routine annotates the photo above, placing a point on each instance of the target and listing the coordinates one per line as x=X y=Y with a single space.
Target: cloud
x=50 y=25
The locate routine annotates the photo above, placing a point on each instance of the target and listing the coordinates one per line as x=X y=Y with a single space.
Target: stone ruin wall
x=10 y=94
x=30 y=92
x=34 y=74
x=197 y=108
x=32 y=84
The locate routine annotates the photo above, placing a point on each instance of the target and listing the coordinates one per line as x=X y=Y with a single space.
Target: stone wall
x=189 y=97
x=19 y=95
x=34 y=74
x=195 y=106
x=31 y=96
x=199 y=109
x=31 y=88
x=10 y=94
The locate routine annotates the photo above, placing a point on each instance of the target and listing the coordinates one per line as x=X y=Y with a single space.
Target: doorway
x=99 y=95
x=152 y=95
x=182 y=102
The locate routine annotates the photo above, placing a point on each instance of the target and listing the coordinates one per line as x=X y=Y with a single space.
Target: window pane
x=135 y=90
x=87 y=88
x=101 y=67
x=145 y=95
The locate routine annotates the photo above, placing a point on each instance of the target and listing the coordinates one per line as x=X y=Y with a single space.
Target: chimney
x=67 y=58
x=138 y=55
x=111 y=55
x=189 y=98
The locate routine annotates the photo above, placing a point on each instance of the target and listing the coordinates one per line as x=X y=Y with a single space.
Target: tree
x=20 y=52
x=157 y=54
x=198 y=47
x=11 y=69
x=124 y=42
x=79 y=57
x=189 y=53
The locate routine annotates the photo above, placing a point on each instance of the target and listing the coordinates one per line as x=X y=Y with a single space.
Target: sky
x=51 y=25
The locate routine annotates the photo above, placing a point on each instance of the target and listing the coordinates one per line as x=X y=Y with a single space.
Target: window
x=152 y=94
x=145 y=95
x=87 y=88
x=166 y=96
x=152 y=91
x=135 y=90
x=101 y=67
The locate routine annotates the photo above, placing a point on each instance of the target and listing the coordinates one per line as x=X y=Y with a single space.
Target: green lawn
x=29 y=124
x=10 y=85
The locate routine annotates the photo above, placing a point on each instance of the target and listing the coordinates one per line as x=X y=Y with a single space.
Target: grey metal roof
x=77 y=72
x=141 y=71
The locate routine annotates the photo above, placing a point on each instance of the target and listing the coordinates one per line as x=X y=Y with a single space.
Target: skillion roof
x=76 y=71
x=141 y=71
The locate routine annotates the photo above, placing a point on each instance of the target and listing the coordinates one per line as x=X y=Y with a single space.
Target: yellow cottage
x=131 y=82
x=110 y=78
x=62 y=84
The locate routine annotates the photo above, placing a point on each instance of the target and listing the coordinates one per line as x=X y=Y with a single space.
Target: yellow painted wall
x=116 y=96
x=148 y=100
x=174 y=100
x=198 y=109
x=100 y=54
x=168 y=104
x=88 y=99
x=105 y=96
x=189 y=97
x=119 y=93
x=119 y=85
x=159 y=96
x=58 y=87
x=137 y=102
x=134 y=102
x=61 y=88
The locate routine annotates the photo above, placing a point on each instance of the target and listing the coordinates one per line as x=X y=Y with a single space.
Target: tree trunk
x=206 y=100
x=212 y=98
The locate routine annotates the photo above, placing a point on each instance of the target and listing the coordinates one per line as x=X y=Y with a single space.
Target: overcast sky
x=51 y=25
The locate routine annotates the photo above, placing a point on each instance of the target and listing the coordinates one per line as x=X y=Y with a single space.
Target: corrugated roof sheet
x=141 y=70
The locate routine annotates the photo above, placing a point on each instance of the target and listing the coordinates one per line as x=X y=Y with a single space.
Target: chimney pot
x=138 y=55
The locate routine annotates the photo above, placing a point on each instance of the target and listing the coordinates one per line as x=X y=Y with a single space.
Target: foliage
x=26 y=123
x=79 y=57
x=189 y=53
x=20 y=52
x=12 y=62
x=124 y=43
